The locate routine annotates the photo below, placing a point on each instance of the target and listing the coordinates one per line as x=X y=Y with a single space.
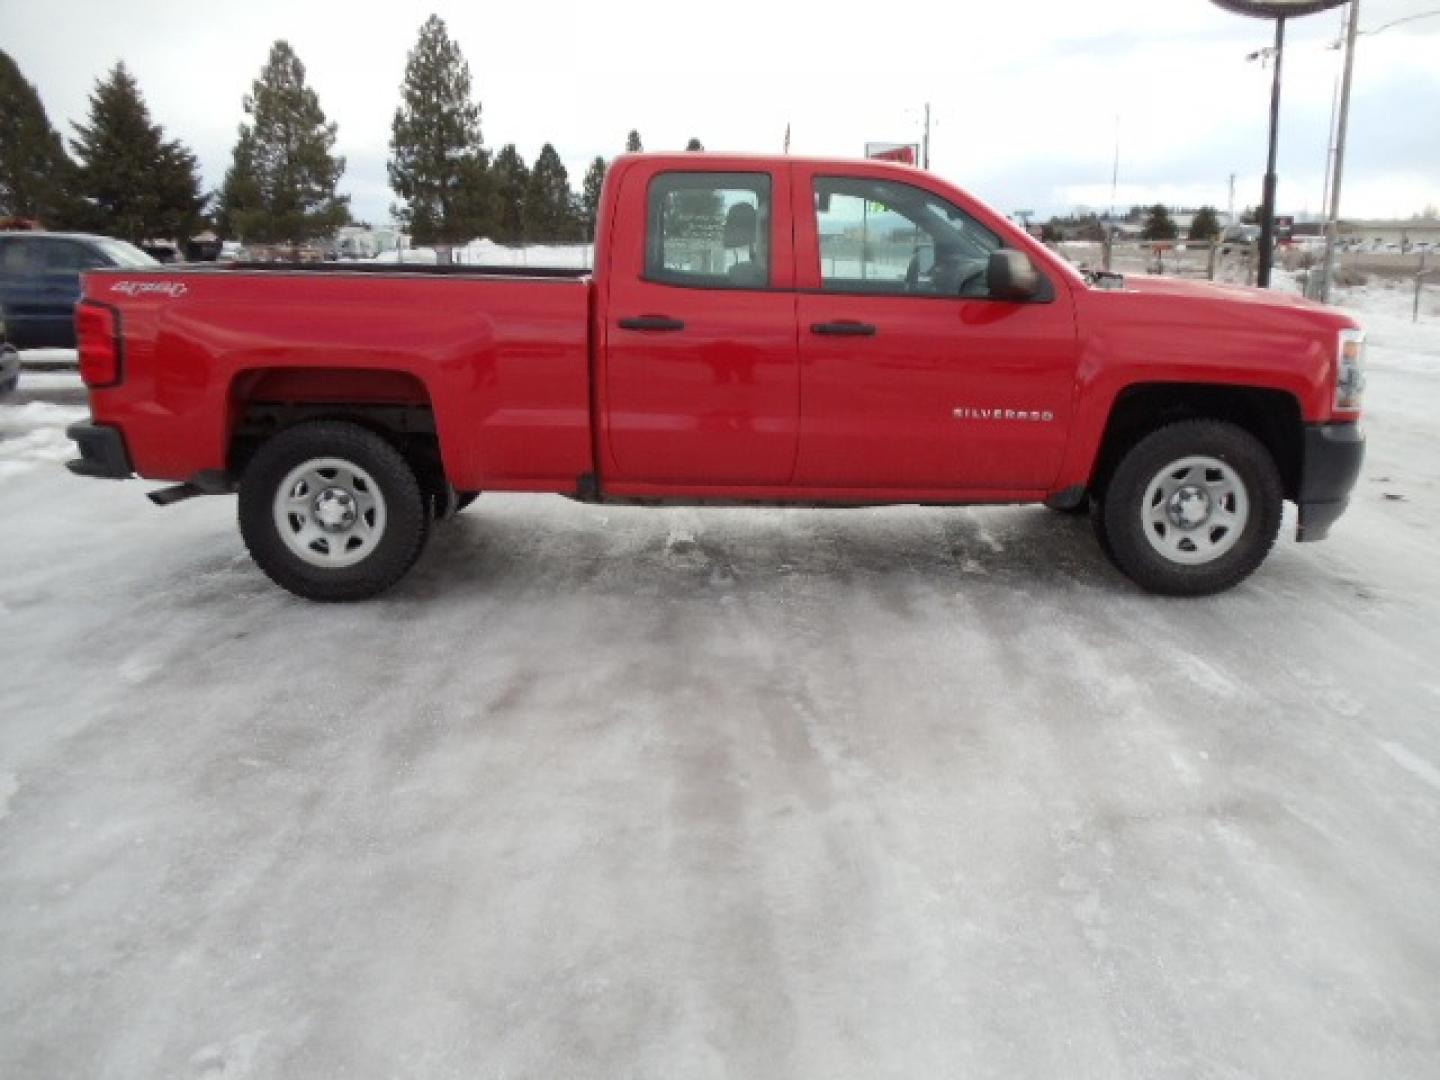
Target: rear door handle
x=845 y=328
x=652 y=322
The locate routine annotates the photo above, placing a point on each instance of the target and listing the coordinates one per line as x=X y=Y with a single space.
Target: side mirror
x=1011 y=275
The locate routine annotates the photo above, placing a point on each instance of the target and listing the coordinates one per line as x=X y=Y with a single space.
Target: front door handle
x=652 y=322
x=844 y=328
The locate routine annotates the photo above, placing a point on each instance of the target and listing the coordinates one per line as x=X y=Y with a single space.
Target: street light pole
x=1267 y=211
x=1332 y=224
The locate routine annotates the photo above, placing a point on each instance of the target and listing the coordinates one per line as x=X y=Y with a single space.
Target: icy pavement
x=601 y=792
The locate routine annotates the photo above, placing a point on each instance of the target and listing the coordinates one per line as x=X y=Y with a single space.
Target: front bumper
x=102 y=451
x=1328 y=471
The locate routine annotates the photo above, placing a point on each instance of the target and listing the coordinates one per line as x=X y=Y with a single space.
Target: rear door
x=64 y=261
x=701 y=384
x=22 y=290
x=913 y=377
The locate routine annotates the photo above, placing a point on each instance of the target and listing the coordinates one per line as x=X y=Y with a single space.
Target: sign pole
x=1267 y=212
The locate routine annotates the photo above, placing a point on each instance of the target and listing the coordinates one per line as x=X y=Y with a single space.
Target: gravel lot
x=612 y=792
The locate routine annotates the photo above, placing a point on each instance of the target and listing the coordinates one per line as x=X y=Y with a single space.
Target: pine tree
x=590 y=196
x=547 y=199
x=437 y=162
x=240 y=193
x=36 y=175
x=281 y=183
x=694 y=144
x=509 y=179
x=139 y=184
x=632 y=142
x=1205 y=225
x=1159 y=225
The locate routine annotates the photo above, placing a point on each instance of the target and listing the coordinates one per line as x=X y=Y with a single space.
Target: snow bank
x=34 y=434
x=488 y=253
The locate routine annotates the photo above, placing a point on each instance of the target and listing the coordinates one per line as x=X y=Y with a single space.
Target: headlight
x=1350 y=371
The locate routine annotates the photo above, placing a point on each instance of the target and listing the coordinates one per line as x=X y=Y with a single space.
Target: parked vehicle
x=40 y=281
x=756 y=330
x=9 y=360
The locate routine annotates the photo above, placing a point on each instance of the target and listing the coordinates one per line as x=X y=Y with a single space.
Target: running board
x=170 y=495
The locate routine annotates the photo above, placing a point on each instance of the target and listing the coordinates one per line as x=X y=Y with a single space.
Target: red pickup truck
x=755 y=329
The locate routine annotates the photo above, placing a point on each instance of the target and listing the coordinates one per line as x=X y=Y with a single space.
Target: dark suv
x=40 y=281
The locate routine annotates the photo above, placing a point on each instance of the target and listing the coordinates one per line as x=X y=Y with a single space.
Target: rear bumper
x=102 y=451
x=1328 y=471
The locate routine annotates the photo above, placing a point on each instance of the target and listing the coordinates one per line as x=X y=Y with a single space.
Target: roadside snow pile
x=1386 y=310
x=34 y=434
x=488 y=253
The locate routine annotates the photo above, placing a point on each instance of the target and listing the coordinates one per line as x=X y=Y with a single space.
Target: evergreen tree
x=590 y=196
x=281 y=183
x=1159 y=225
x=509 y=179
x=1205 y=225
x=240 y=193
x=694 y=144
x=36 y=175
x=139 y=184
x=547 y=199
x=632 y=142
x=437 y=162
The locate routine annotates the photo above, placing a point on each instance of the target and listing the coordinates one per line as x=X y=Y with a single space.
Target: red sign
x=905 y=153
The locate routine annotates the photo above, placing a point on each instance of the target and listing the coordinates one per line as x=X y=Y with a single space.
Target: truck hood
x=1243 y=294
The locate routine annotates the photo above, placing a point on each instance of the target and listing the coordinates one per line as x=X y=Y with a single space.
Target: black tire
x=464 y=499
x=1121 y=529
x=400 y=542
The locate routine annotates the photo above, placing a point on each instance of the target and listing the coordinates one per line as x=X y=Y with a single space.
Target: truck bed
x=501 y=358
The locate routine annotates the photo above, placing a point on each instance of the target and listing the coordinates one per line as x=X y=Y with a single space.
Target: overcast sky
x=1025 y=95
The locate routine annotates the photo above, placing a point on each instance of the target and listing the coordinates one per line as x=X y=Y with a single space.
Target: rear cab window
x=710 y=230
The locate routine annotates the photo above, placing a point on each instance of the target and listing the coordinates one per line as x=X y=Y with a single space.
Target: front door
x=912 y=377
x=701 y=378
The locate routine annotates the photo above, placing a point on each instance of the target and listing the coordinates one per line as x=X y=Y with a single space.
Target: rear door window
x=709 y=230
x=16 y=256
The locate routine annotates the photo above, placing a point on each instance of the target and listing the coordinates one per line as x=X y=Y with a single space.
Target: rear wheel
x=1191 y=509
x=331 y=511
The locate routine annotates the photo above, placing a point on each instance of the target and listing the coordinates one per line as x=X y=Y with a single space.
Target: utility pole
x=925 y=146
x=1267 y=212
x=1232 y=200
x=1332 y=223
x=1115 y=168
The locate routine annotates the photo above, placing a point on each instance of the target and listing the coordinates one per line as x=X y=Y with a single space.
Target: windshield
x=123 y=254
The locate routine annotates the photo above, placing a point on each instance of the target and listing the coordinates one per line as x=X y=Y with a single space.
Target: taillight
x=97 y=338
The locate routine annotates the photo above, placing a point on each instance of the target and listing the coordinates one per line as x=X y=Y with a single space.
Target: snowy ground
x=606 y=792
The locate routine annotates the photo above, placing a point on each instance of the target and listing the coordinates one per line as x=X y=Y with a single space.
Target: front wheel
x=331 y=511
x=1191 y=509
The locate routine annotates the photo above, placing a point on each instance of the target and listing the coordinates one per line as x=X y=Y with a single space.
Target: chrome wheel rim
x=329 y=512
x=1195 y=510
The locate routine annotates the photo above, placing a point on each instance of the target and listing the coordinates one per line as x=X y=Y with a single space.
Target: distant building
x=1384 y=234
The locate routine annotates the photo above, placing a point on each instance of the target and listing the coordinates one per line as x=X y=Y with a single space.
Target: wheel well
x=393 y=404
x=1272 y=416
